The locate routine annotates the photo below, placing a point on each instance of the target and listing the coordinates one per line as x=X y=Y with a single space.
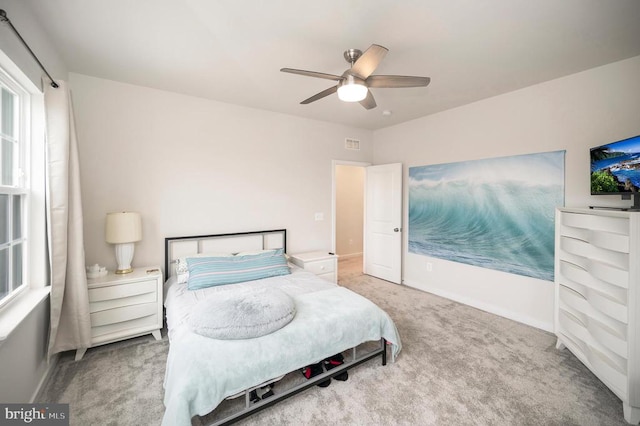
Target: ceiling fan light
x=352 y=92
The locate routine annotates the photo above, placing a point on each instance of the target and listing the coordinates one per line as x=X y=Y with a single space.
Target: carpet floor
x=458 y=366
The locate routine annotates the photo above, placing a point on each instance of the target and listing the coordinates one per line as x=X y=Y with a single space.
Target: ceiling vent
x=352 y=144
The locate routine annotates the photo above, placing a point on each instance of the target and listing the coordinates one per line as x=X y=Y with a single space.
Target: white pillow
x=244 y=315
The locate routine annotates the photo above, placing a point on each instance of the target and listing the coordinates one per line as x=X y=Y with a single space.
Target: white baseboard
x=51 y=367
x=515 y=316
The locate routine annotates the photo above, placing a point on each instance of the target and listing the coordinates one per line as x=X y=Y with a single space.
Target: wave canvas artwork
x=495 y=213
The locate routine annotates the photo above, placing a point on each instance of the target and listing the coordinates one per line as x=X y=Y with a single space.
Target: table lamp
x=123 y=229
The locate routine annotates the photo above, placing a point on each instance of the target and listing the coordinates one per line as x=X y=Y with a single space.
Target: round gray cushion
x=242 y=316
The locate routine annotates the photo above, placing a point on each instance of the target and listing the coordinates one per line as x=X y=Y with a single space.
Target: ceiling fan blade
x=320 y=95
x=369 y=102
x=369 y=61
x=388 y=81
x=312 y=74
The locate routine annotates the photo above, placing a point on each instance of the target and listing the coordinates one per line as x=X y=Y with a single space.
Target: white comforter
x=201 y=372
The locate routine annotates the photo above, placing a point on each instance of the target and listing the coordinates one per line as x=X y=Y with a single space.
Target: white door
x=383 y=222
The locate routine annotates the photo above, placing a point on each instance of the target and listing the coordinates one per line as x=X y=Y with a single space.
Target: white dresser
x=321 y=263
x=125 y=306
x=597 y=286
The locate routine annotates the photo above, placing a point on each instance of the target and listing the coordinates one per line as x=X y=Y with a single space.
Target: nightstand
x=125 y=306
x=321 y=263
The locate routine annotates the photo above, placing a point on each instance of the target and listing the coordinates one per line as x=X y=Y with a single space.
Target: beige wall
x=349 y=209
x=573 y=113
x=195 y=166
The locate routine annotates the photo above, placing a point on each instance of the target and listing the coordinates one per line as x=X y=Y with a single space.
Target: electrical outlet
x=429 y=267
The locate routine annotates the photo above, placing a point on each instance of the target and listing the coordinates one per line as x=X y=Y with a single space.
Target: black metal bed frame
x=252 y=408
x=168 y=240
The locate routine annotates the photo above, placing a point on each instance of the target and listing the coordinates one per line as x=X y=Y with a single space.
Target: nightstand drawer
x=121 y=291
x=120 y=315
x=146 y=293
x=321 y=266
x=124 y=328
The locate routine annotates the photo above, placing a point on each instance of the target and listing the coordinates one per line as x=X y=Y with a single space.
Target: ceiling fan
x=353 y=85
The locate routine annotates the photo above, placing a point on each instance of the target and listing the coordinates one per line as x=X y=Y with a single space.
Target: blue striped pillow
x=213 y=271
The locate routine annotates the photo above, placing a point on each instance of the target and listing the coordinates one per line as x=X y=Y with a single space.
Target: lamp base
x=124 y=256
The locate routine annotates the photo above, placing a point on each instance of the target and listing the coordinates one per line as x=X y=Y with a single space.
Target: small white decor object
x=123 y=229
x=95 y=271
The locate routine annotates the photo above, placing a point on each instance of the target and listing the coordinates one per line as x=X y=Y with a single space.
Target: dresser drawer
x=598 y=363
x=578 y=247
x=608 y=299
x=610 y=333
x=594 y=223
x=596 y=268
x=572 y=325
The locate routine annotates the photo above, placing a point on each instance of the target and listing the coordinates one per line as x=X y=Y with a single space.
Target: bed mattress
x=201 y=371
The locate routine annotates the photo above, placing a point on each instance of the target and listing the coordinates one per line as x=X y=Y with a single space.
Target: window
x=14 y=191
x=24 y=272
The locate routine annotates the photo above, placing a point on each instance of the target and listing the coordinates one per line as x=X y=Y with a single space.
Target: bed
x=219 y=351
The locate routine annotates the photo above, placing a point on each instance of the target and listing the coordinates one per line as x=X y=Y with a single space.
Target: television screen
x=615 y=168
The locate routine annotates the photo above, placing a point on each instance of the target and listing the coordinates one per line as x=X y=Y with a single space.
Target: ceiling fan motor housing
x=348 y=78
x=352 y=55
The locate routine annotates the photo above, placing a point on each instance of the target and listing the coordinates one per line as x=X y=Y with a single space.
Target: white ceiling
x=232 y=50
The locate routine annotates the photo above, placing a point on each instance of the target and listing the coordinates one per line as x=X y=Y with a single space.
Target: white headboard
x=177 y=247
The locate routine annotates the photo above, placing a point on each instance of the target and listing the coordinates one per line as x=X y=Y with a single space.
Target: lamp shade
x=123 y=227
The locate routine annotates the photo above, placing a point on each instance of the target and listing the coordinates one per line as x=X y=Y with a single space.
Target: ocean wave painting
x=496 y=213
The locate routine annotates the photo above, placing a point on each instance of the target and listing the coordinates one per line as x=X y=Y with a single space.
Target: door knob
x=396 y=229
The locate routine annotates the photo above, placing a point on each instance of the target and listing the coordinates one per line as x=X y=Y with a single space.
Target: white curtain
x=70 y=325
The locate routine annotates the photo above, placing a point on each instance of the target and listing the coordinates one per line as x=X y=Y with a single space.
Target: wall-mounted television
x=615 y=169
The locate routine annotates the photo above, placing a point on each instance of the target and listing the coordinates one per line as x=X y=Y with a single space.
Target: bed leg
x=384 y=351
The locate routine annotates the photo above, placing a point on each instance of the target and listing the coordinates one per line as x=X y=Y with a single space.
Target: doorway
x=348 y=216
x=381 y=198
